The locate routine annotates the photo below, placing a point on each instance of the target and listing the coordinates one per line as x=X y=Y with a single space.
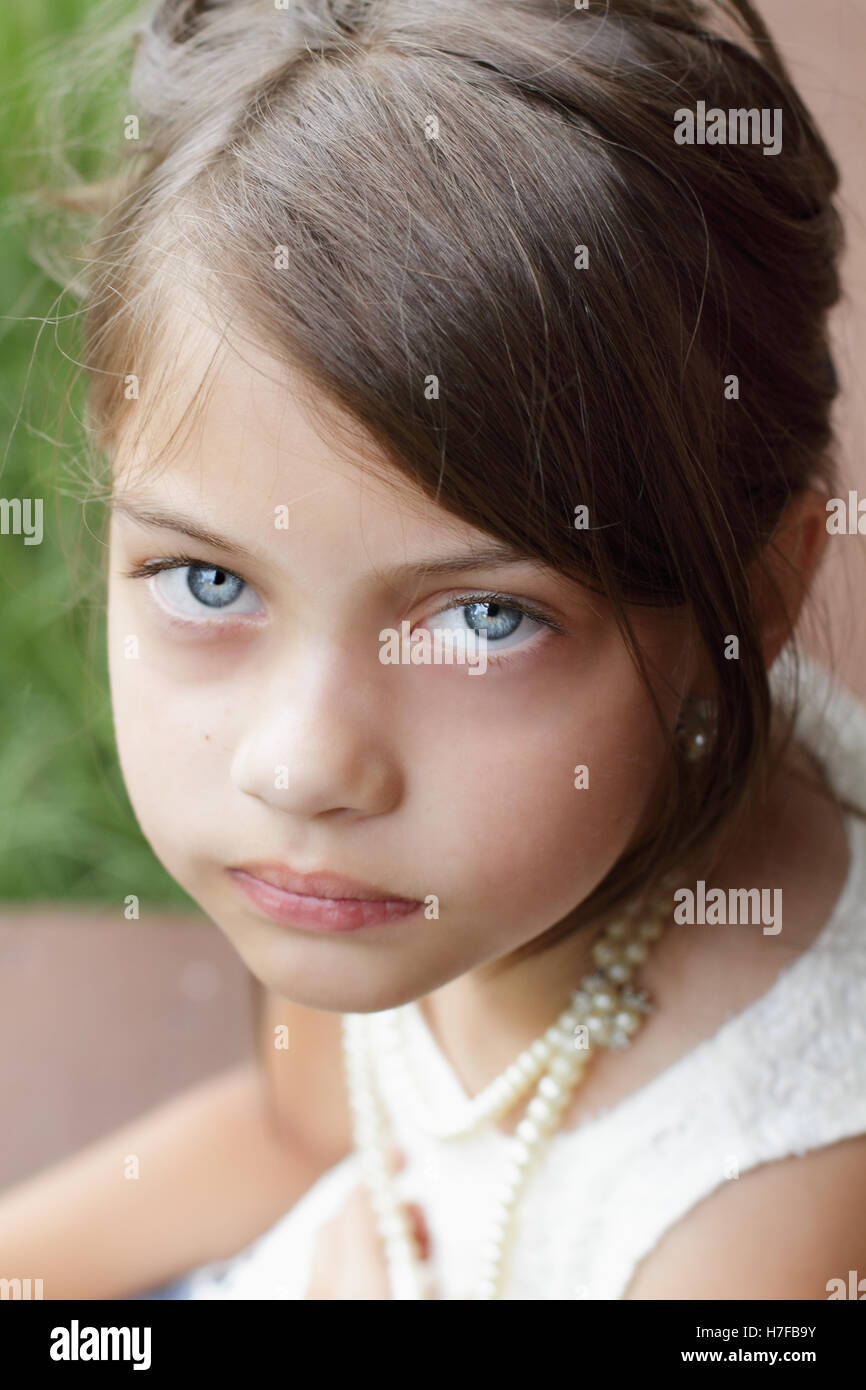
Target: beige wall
x=824 y=45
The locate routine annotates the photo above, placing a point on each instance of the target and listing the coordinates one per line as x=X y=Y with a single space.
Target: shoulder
x=783 y=1230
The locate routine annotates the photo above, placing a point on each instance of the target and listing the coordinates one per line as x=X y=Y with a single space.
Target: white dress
x=785 y=1075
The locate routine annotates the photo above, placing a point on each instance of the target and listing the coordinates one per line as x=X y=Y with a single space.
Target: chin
x=318 y=973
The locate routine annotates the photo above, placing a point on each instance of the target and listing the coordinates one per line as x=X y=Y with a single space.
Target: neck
x=483 y=1019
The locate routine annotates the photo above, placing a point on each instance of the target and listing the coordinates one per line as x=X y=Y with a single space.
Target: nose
x=318 y=744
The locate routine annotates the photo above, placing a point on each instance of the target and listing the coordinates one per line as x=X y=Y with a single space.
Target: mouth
x=320 y=901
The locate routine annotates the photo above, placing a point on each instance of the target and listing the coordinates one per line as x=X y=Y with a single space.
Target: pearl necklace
x=604 y=1011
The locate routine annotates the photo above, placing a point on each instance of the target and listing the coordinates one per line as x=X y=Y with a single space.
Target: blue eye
x=214 y=587
x=505 y=624
x=194 y=591
x=502 y=621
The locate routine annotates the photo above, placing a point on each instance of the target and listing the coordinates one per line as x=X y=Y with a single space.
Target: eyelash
x=175 y=562
x=529 y=610
x=148 y=568
x=497 y=660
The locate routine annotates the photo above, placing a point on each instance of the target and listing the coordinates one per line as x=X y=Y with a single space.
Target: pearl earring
x=696 y=726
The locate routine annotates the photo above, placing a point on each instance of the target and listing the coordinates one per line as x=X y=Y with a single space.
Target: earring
x=696 y=727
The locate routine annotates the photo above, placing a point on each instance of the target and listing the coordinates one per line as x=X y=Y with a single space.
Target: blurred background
x=102 y=1016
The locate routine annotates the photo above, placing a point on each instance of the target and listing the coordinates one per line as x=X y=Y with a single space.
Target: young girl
x=413 y=319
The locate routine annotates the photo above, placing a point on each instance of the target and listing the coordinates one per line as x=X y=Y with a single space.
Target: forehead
x=228 y=432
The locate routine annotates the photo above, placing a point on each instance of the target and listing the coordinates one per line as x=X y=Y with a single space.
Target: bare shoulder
x=783 y=1230
x=301 y=1054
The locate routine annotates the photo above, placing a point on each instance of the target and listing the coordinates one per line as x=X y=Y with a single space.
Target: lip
x=320 y=901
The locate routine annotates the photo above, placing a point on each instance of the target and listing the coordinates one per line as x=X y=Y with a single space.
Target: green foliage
x=67 y=831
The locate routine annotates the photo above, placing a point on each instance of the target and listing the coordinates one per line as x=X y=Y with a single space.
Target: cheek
x=169 y=759
x=507 y=819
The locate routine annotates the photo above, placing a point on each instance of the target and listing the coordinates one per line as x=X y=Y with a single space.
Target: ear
x=782 y=577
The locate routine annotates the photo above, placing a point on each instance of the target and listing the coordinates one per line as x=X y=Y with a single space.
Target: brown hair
x=388 y=192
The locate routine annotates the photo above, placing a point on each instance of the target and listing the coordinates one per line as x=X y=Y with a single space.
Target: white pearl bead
x=650 y=931
x=515 y=1173
x=563 y=1068
x=604 y=953
x=541 y=1110
x=628 y=1020
x=549 y=1069
x=603 y=1002
x=550 y=1088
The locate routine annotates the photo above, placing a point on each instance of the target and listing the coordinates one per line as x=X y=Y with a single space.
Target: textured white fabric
x=785 y=1075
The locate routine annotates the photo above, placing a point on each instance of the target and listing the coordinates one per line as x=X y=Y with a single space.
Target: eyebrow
x=485 y=557
x=172 y=521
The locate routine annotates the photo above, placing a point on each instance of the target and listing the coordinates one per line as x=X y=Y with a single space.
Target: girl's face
x=258 y=728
